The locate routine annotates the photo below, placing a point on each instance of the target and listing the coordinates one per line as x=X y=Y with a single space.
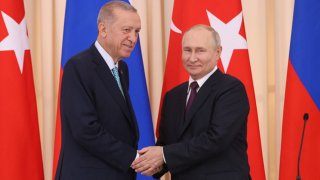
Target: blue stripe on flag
x=304 y=48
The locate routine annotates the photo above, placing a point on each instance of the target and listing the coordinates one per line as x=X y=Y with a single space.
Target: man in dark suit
x=203 y=124
x=99 y=129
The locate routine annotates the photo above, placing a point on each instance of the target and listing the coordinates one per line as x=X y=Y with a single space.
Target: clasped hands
x=150 y=160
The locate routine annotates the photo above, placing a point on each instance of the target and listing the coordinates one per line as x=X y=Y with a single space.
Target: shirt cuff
x=164 y=159
x=137 y=156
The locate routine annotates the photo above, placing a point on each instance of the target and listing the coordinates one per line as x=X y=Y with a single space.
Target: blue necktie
x=115 y=73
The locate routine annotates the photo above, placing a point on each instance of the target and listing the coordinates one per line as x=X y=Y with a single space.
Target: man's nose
x=133 y=37
x=193 y=57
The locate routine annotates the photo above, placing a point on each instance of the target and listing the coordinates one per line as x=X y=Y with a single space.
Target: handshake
x=150 y=160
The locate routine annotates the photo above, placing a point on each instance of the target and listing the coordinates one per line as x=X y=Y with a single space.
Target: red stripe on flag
x=298 y=102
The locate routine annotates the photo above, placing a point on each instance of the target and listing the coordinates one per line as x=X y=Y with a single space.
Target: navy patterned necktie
x=193 y=88
x=115 y=73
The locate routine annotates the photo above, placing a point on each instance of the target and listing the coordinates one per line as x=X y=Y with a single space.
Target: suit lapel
x=124 y=81
x=109 y=81
x=181 y=104
x=201 y=97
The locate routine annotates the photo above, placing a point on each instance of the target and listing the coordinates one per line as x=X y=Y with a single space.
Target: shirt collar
x=202 y=80
x=105 y=56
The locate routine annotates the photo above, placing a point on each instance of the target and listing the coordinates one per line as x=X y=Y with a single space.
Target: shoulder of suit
x=181 y=88
x=230 y=81
x=81 y=57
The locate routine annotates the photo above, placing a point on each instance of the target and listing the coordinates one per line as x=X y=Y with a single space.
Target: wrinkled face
x=119 y=37
x=199 y=52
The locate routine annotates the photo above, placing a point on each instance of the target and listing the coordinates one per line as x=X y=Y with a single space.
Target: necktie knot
x=194 y=86
x=115 y=72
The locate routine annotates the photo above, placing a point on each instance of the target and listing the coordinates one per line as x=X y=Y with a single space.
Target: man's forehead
x=123 y=12
x=195 y=37
x=196 y=31
x=127 y=15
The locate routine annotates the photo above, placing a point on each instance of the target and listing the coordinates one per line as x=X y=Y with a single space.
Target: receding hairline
x=106 y=12
x=214 y=33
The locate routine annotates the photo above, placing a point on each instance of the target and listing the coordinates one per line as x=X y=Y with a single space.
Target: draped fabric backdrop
x=268 y=30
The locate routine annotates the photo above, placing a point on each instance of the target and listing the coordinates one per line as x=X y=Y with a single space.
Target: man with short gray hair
x=203 y=126
x=99 y=129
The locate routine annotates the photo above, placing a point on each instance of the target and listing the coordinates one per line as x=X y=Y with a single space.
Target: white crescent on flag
x=174 y=28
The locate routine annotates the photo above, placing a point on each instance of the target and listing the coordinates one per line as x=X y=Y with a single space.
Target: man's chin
x=126 y=54
x=124 y=57
x=193 y=72
x=194 y=76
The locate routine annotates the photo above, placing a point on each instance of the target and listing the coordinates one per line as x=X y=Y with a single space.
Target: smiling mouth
x=128 y=46
x=193 y=67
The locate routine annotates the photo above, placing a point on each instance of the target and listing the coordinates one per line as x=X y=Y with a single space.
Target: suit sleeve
x=78 y=109
x=229 y=117
x=160 y=140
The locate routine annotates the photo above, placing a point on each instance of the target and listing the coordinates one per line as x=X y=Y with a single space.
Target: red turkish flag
x=20 y=150
x=226 y=18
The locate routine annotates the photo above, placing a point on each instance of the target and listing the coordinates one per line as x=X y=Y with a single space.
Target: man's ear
x=219 y=49
x=102 y=29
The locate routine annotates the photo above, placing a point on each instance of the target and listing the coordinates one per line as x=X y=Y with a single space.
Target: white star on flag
x=17 y=40
x=230 y=37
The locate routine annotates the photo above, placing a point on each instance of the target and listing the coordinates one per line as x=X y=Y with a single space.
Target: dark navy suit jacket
x=99 y=129
x=209 y=141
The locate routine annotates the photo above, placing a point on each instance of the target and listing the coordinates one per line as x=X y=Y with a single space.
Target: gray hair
x=214 y=33
x=106 y=11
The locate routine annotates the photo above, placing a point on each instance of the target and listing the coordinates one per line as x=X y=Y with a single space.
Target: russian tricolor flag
x=302 y=95
x=80 y=31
